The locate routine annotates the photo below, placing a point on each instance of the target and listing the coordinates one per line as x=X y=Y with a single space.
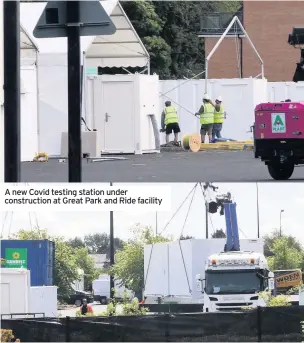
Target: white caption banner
x=83 y=197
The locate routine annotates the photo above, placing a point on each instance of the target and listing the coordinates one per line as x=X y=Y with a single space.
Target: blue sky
x=273 y=197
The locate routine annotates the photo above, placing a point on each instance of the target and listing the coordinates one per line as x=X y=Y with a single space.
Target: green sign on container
x=15 y=258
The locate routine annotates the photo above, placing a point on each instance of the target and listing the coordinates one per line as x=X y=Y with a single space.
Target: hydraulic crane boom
x=232 y=229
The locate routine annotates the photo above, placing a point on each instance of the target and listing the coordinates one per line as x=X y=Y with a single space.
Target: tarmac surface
x=203 y=166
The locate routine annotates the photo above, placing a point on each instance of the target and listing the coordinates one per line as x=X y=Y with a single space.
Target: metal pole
x=241 y=55
x=11 y=38
x=207 y=221
x=252 y=45
x=156 y=224
x=206 y=76
x=258 y=210
x=112 y=285
x=74 y=87
x=281 y=222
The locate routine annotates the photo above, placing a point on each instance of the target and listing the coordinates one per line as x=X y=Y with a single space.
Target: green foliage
x=273 y=237
x=274 y=301
x=129 y=261
x=218 y=234
x=86 y=263
x=285 y=254
x=88 y=314
x=183 y=238
x=169 y=31
x=67 y=260
x=127 y=307
x=100 y=243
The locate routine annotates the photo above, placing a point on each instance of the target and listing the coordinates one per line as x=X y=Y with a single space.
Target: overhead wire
x=179 y=241
x=164 y=229
x=3 y=224
x=10 y=224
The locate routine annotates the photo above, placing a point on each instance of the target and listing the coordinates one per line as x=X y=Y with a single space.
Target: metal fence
x=217 y=23
x=279 y=324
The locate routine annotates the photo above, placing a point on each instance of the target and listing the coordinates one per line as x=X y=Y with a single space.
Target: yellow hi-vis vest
x=219 y=116
x=208 y=116
x=170 y=115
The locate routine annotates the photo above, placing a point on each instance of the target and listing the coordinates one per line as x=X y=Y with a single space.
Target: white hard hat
x=219 y=98
x=206 y=97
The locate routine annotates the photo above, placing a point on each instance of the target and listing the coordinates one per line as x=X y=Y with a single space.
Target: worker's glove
x=162 y=130
x=196 y=114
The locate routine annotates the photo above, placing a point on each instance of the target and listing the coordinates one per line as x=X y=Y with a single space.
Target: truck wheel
x=281 y=171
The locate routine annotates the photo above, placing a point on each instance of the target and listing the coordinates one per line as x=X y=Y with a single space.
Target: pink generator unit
x=279 y=137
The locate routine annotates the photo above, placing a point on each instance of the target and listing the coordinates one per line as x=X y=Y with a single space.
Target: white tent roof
x=26 y=42
x=123 y=49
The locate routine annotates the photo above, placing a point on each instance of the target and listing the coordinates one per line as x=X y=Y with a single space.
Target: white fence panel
x=279 y=91
x=240 y=96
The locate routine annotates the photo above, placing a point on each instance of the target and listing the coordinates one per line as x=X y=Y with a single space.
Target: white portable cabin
x=123 y=49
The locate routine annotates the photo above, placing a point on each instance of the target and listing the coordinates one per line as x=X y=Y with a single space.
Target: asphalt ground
x=203 y=166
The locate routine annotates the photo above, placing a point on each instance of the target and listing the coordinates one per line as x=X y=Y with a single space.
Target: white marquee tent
x=123 y=49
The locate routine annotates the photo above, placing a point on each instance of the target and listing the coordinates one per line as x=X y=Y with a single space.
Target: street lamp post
x=281 y=222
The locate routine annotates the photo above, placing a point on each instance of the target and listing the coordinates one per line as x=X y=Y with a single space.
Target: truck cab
x=233 y=280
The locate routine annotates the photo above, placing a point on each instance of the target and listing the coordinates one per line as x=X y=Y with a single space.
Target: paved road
x=71 y=312
x=204 y=166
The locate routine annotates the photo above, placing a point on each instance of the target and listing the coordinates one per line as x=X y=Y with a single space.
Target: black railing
x=216 y=23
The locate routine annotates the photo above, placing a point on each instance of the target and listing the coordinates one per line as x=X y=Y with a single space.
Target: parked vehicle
x=101 y=290
x=278 y=137
x=77 y=297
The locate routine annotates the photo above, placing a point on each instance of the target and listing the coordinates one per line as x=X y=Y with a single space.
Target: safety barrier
x=273 y=324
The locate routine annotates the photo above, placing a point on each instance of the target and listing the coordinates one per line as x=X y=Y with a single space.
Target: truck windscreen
x=232 y=282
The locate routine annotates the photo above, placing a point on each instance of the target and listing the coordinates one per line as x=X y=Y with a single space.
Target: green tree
x=284 y=256
x=270 y=239
x=99 y=243
x=183 y=238
x=129 y=261
x=149 y=26
x=67 y=260
x=218 y=234
x=85 y=262
x=76 y=242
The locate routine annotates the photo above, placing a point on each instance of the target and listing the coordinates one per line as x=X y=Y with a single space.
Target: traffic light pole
x=11 y=38
x=74 y=91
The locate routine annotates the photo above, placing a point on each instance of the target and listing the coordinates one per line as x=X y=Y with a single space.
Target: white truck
x=233 y=280
x=101 y=290
x=171 y=269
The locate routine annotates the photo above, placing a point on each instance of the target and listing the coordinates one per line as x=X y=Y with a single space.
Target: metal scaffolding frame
x=235 y=20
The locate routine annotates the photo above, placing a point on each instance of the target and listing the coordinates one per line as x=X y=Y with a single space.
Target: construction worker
x=206 y=113
x=169 y=122
x=219 y=116
x=85 y=308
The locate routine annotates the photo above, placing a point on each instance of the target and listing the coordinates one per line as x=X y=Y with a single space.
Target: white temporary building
x=123 y=49
x=29 y=96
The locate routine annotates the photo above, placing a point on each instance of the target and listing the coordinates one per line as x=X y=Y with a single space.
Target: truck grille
x=233 y=304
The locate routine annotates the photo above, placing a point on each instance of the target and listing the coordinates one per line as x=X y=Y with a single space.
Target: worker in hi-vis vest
x=206 y=114
x=169 y=122
x=219 y=117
